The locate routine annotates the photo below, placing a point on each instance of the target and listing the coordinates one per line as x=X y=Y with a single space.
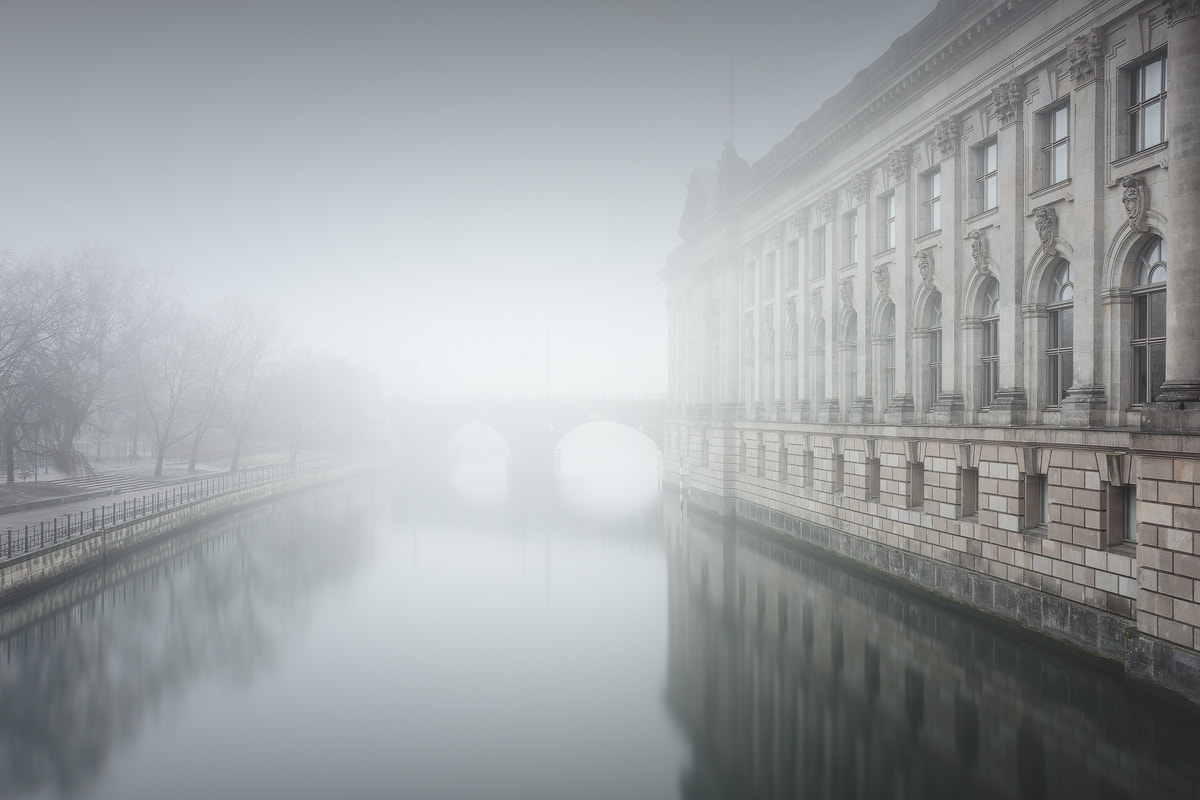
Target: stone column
x=900 y=407
x=1010 y=403
x=948 y=406
x=1084 y=404
x=1183 y=198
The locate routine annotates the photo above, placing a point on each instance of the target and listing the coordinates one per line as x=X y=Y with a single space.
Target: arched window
x=816 y=364
x=1060 y=332
x=989 y=353
x=934 y=370
x=887 y=353
x=1149 y=340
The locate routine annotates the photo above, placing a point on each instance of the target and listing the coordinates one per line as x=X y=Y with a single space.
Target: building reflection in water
x=793 y=676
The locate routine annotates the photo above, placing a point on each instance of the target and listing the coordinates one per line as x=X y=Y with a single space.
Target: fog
x=466 y=198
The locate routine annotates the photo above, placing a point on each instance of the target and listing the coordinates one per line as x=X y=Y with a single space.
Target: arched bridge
x=532 y=428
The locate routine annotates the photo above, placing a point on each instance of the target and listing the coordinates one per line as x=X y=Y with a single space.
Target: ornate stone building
x=955 y=317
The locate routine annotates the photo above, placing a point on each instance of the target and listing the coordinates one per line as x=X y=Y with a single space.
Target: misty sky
x=446 y=186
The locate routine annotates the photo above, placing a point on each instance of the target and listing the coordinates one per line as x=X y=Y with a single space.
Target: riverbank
x=33 y=556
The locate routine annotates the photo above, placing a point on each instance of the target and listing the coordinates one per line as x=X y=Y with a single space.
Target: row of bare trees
x=91 y=350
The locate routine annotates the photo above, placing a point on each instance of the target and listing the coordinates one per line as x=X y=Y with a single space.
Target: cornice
x=892 y=92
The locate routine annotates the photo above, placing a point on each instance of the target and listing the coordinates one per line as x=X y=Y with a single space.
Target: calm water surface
x=412 y=640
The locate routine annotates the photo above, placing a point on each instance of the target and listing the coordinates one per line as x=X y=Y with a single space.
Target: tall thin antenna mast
x=731 y=85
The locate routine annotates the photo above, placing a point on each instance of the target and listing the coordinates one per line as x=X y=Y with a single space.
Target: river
x=409 y=637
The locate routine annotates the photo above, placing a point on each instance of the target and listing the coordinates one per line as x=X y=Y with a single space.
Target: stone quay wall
x=1090 y=541
x=34 y=570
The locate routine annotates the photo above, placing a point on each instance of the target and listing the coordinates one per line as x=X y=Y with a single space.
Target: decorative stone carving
x=860 y=185
x=946 y=136
x=775 y=236
x=1083 y=56
x=797 y=223
x=768 y=329
x=826 y=205
x=925 y=267
x=1046 y=221
x=881 y=280
x=1007 y=98
x=1182 y=9
x=1134 y=199
x=899 y=161
x=979 y=251
x=814 y=298
x=846 y=291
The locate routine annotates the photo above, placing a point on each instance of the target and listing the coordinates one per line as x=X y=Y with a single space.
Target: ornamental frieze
x=860 y=185
x=1182 y=9
x=946 y=136
x=1007 y=99
x=979 y=251
x=826 y=205
x=1133 y=197
x=925 y=267
x=846 y=290
x=1083 y=56
x=881 y=280
x=898 y=164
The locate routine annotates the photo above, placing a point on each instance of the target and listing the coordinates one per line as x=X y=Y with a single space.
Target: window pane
x=1135 y=86
x=1153 y=121
x=1066 y=327
x=1066 y=379
x=1139 y=374
x=1060 y=163
x=1158 y=313
x=1055 y=388
x=989 y=158
x=935 y=184
x=1060 y=125
x=935 y=215
x=1158 y=367
x=1154 y=78
x=990 y=192
x=1139 y=317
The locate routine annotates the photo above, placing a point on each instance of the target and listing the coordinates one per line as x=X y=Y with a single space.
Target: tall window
x=816 y=364
x=934 y=370
x=1149 y=339
x=769 y=275
x=1061 y=332
x=986 y=169
x=793 y=266
x=850 y=352
x=1148 y=104
x=1056 y=145
x=933 y=201
x=887 y=353
x=887 y=212
x=989 y=358
x=818 y=253
x=850 y=242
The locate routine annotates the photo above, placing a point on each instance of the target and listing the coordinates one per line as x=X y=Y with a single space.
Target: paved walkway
x=117 y=484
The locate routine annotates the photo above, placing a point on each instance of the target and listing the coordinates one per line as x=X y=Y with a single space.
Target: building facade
x=955 y=317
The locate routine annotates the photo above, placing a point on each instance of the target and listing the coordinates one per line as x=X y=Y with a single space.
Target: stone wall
x=34 y=570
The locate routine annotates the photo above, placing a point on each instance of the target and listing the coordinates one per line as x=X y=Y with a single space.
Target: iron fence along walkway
x=16 y=542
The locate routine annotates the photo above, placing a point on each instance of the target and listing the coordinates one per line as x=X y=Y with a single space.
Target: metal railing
x=63 y=527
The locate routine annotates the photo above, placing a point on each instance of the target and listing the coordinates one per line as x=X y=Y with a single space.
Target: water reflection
x=89 y=663
x=479 y=459
x=794 y=677
x=608 y=469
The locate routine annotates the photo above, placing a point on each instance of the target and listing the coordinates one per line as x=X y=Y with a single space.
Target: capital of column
x=1179 y=10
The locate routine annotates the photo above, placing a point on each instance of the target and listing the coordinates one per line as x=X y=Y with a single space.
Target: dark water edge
x=798 y=676
x=385 y=639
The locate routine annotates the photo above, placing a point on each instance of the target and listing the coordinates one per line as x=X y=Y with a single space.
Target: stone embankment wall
x=32 y=571
x=1095 y=545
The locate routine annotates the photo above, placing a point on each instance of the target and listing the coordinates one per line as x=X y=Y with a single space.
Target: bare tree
x=166 y=368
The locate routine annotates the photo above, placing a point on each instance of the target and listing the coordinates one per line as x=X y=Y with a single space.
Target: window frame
x=989 y=350
x=887 y=217
x=986 y=184
x=817 y=266
x=850 y=238
x=934 y=363
x=1142 y=295
x=1139 y=106
x=1055 y=144
x=931 y=201
x=1060 y=357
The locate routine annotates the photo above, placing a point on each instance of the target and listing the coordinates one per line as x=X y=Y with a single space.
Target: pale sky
x=448 y=189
